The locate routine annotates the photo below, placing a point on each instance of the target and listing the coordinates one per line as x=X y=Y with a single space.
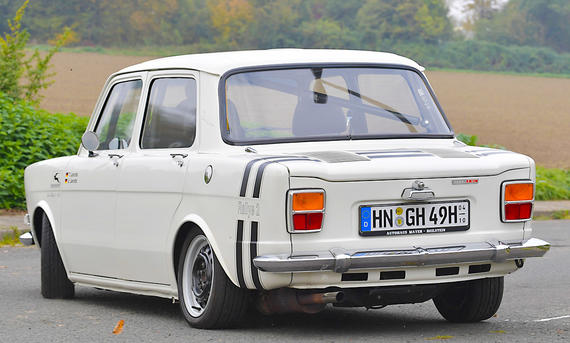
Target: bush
x=29 y=135
x=484 y=56
x=552 y=184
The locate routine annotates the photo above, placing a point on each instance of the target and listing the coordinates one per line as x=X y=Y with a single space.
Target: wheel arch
x=40 y=209
x=195 y=222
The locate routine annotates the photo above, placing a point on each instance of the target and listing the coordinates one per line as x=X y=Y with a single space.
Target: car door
x=90 y=181
x=152 y=176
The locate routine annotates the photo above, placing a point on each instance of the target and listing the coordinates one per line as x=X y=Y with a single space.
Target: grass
x=511 y=73
x=552 y=184
x=150 y=51
x=558 y=215
x=11 y=238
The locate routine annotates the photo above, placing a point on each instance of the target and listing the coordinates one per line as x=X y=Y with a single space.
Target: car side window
x=115 y=126
x=170 y=116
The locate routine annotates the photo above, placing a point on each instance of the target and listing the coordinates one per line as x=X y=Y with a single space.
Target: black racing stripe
x=401 y=155
x=239 y=254
x=253 y=254
x=259 y=176
x=248 y=170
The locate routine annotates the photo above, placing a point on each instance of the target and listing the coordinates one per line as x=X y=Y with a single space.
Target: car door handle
x=180 y=161
x=115 y=161
x=179 y=154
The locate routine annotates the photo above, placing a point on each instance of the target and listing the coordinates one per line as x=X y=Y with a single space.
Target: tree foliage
x=24 y=75
x=238 y=23
x=529 y=22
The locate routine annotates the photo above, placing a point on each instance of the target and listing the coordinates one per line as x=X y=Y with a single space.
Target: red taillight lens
x=518 y=211
x=307 y=221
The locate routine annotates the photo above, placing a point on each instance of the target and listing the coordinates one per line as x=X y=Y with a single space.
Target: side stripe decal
x=239 y=254
x=248 y=170
x=253 y=254
x=259 y=176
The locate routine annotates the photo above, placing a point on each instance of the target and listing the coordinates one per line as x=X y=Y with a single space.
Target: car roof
x=220 y=62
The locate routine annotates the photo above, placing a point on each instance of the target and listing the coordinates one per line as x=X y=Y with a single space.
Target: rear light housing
x=306 y=210
x=517 y=199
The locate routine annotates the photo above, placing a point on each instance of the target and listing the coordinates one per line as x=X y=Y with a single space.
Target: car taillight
x=516 y=201
x=306 y=210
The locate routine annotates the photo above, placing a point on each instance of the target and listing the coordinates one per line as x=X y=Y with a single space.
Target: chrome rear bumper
x=27 y=239
x=340 y=260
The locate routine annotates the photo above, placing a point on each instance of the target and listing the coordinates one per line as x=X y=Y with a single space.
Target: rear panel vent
x=447 y=271
x=393 y=275
x=479 y=268
x=354 y=277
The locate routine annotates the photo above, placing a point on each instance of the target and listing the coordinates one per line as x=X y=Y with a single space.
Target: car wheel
x=208 y=298
x=55 y=284
x=471 y=301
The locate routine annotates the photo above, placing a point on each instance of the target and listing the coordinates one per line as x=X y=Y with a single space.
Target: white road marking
x=553 y=318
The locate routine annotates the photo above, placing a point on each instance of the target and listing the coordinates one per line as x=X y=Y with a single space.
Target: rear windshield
x=305 y=104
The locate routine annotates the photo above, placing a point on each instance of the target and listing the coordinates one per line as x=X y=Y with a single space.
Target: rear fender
x=224 y=259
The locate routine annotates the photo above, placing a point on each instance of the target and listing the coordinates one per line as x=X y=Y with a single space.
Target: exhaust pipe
x=287 y=300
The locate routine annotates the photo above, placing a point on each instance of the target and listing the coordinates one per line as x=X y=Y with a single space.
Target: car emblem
x=465 y=182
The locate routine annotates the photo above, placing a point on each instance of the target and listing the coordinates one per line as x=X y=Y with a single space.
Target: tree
x=231 y=19
x=524 y=22
x=407 y=20
x=21 y=76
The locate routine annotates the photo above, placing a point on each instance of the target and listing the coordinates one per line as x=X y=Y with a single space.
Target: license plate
x=408 y=219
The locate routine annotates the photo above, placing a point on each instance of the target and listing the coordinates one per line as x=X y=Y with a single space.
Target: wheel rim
x=198 y=276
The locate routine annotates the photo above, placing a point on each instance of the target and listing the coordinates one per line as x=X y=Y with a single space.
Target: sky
x=456 y=8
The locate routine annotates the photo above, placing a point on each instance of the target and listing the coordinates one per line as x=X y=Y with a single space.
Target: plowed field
x=530 y=115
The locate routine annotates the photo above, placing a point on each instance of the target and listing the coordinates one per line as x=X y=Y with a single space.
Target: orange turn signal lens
x=314 y=201
x=519 y=192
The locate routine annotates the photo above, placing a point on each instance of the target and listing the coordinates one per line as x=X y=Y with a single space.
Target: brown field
x=530 y=115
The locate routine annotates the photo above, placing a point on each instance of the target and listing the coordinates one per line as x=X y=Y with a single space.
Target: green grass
x=552 y=184
x=510 y=73
x=150 y=51
x=557 y=215
x=11 y=238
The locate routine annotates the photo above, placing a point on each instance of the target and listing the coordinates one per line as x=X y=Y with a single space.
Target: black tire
x=471 y=301
x=226 y=303
x=55 y=284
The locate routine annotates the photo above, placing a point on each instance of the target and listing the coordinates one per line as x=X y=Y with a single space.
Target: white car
x=286 y=178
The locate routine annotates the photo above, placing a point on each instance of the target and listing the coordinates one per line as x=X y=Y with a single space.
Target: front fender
x=44 y=206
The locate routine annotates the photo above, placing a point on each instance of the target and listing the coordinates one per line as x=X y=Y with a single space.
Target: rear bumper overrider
x=340 y=260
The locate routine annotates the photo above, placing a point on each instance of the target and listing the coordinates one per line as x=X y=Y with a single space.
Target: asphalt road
x=535 y=308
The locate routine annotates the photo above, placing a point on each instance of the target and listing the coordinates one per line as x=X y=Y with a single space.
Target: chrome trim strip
x=340 y=260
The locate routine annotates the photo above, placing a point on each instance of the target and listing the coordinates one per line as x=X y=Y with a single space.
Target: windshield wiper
x=407 y=119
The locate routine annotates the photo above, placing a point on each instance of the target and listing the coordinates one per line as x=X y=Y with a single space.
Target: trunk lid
x=391 y=164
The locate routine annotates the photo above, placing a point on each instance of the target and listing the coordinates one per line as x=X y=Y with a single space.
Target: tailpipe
x=287 y=300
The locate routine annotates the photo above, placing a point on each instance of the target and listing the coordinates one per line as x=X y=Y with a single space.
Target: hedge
x=28 y=135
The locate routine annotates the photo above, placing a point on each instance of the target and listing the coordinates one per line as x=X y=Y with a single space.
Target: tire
x=55 y=284
x=471 y=301
x=208 y=298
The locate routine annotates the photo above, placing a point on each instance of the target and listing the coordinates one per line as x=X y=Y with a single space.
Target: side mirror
x=90 y=141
